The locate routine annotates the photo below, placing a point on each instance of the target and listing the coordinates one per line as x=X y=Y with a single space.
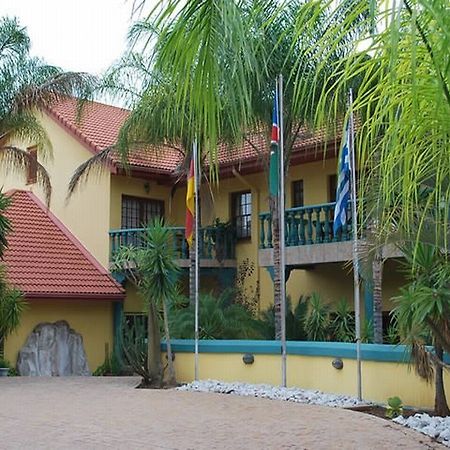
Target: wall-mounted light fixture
x=248 y=358
x=338 y=363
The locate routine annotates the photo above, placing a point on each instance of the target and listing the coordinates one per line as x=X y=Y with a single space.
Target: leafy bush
x=343 y=323
x=395 y=407
x=219 y=318
x=317 y=322
x=367 y=331
x=294 y=321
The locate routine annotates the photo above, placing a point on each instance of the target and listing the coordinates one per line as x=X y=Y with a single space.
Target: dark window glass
x=32 y=167
x=242 y=214
x=138 y=212
x=332 y=185
x=297 y=193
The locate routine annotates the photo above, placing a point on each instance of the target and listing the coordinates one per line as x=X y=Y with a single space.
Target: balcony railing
x=215 y=242
x=305 y=225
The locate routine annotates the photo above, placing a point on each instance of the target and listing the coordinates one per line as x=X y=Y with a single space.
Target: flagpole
x=281 y=207
x=356 y=283
x=196 y=252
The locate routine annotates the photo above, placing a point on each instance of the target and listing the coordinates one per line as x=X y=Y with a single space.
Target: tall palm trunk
x=276 y=264
x=440 y=401
x=377 y=280
x=171 y=381
x=154 y=346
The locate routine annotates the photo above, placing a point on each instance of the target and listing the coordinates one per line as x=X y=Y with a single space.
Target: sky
x=76 y=35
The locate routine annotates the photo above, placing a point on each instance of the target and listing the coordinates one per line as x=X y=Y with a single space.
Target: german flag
x=190 y=208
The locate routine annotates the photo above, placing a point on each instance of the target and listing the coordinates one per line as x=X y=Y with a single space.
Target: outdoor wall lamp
x=337 y=363
x=248 y=358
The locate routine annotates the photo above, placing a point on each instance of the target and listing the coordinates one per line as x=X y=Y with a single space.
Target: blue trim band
x=369 y=352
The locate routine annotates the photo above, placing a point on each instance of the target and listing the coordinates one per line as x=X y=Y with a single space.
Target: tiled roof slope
x=100 y=124
x=45 y=260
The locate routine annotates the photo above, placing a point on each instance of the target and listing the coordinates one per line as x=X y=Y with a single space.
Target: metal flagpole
x=196 y=247
x=281 y=206
x=355 y=246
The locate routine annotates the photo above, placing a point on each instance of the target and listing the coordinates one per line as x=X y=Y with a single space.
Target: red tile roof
x=100 y=124
x=45 y=260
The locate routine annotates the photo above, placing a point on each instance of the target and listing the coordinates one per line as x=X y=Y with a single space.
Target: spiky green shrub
x=219 y=318
x=317 y=321
x=343 y=323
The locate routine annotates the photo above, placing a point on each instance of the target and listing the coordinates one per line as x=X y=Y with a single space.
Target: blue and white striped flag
x=343 y=184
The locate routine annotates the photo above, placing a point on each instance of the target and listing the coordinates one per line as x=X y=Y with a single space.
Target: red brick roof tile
x=45 y=260
x=100 y=124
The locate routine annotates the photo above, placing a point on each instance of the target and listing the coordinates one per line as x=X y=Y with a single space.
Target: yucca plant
x=317 y=321
x=343 y=322
x=152 y=268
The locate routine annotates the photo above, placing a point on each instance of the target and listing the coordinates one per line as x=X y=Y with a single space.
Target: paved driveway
x=107 y=413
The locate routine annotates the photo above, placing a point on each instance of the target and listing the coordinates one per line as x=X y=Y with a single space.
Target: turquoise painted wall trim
x=370 y=352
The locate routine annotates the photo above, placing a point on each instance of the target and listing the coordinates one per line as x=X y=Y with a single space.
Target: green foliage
x=294 y=321
x=395 y=407
x=392 y=335
x=245 y=295
x=26 y=84
x=366 y=331
x=12 y=306
x=219 y=318
x=110 y=367
x=134 y=347
x=317 y=321
x=343 y=323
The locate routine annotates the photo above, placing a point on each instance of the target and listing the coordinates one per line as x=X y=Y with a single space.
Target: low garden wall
x=385 y=368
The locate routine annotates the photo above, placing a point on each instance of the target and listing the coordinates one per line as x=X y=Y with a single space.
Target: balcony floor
x=306 y=255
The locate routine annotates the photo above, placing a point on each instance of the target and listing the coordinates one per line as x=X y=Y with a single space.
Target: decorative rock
x=436 y=427
x=272 y=392
x=53 y=349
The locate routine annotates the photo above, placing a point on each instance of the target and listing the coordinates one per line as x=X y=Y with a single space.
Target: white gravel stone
x=273 y=392
x=436 y=427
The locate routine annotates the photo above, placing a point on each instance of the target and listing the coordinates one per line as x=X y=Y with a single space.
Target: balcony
x=216 y=249
x=310 y=238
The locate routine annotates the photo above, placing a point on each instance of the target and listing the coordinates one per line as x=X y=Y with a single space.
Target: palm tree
x=423 y=315
x=222 y=88
x=28 y=85
x=152 y=268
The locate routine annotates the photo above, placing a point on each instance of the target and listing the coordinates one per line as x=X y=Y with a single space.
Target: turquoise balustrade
x=215 y=242
x=305 y=225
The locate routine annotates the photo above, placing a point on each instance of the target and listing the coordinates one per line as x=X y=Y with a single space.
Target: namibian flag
x=190 y=208
x=274 y=171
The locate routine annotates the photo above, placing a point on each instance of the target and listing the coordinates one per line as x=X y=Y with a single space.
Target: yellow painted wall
x=87 y=213
x=93 y=319
x=380 y=380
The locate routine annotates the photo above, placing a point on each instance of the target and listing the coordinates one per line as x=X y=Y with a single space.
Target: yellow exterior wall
x=93 y=319
x=87 y=213
x=380 y=380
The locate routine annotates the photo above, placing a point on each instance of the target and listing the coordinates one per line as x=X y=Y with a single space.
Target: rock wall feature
x=53 y=349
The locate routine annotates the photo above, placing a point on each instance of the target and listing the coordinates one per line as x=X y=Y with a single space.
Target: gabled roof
x=100 y=124
x=45 y=260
